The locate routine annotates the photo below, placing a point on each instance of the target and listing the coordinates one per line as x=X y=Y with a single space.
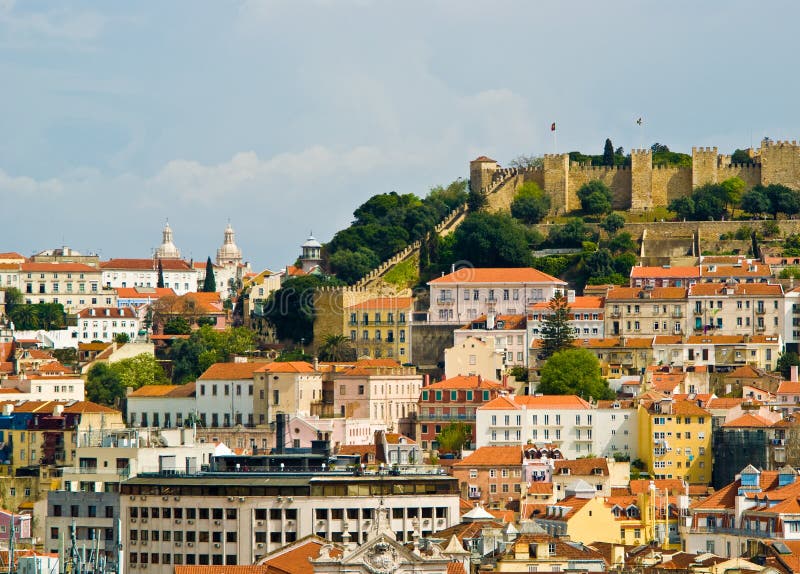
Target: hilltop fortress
x=640 y=186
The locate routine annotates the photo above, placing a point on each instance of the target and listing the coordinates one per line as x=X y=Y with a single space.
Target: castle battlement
x=641 y=152
x=782 y=143
x=701 y=149
x=597 y=168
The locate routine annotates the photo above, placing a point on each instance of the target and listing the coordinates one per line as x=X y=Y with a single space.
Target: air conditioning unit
x=190 y=544
x=289 y=499
x=440 y=522
x=178 y=544
x=144 y=521
x=133 y=497
x=320 y=523
x=279 y=499
x=177 y=498
x=133 y=543
x=290 y=524
x=165 y=498
x=133 y=520
x=190 y=522
x=144 y=542
x=142 y=498
x=216 y=544
x=241 y=499
x=260 y=523
x=260 y=545
x=231 y=498
x=217 y=523
x=133 y=565
x=178 y=521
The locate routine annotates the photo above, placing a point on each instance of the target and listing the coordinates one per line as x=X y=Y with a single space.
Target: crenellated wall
x=618 y=179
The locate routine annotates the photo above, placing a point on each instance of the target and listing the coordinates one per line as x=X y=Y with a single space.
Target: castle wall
x=670 y=183
x=556 y=182
x=750 y=174
x=704 y=166
x=780 y=163
x=329 y=309
x=618 y=179
x=641 y=179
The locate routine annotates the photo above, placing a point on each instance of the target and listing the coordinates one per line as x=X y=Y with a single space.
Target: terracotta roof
x=146 y=264
x=497 y=275
x=760 y=270
x=380 y=303
x=659 y=293
x=724 y=402
x=502 y=322
x=640 y=486
x=206 y=302
x=582 y=466
x=739 y=289
x=359 y=449
x=395 y=438
x=540 y=488
x=144 y=292
x=9 y=266
x=537 y=402
x=11 y=255
x=787 y=387
x=294 y=558
x=729 y=339
x=572 y=504
x=642 y=272
x=611 y=342
x=294 y=271
x=688 y=408
x=93 y=346
x=170 y=391
x=229 y=371
x=106 y=313
x=748 y=420
x=585 y=302
x=457 y=567
x=744 y=372
x=484 y=158
x=493 y=456
x=287 y=367
x=465 y=382
x=506 y=516
x=58 y=268
x=88 y=407
x=667 y=340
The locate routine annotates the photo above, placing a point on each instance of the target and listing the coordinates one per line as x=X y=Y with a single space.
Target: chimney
x=490 y=320
x=793 y=373
x=316 y=363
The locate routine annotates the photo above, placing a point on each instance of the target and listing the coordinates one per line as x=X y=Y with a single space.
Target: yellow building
x=675 y=439
x=581 y=518
x=379 y=327
x=648 y=514
x=544 y=553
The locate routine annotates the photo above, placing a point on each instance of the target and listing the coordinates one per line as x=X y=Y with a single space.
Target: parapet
x=696 y=150
x=641 y=152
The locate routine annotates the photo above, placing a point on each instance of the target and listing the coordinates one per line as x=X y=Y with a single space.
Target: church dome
x=229 y=252
x=167 y=249
x=311 y=242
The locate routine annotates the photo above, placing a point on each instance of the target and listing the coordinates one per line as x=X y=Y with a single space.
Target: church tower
x=167 y=249
x=311 y=255
x=229 y=253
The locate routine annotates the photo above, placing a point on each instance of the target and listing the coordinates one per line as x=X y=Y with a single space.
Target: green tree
x=160 y=282
x=138 y=371
x=177 y=326
x=557 y=333
x=491 y=240
x=527 y=162
x=476 y=200
x=741 y=156
x=122 y=338
x=51 y=316
x=612 y=223
x=24 y=317
x=453 y=437
x=290 y=309
x=210 y=282
x=608 y=153
x=103 y=385
x=683 y=207
x=13 y=297
x=755 y=202
x=782 y=200
x=733 y=189
x=336 y=348
x=350 y=266
x=785 y=363
x=595 y=197
x=531 y=204
x=572 y=234
x=574 y=372
x=622 y=243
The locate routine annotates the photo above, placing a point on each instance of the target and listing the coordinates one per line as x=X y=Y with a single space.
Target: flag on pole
x=553 y=127
x=639 y=122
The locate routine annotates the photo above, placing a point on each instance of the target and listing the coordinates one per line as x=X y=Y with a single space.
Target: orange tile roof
x=497 y=275
x=11 y=255
x=611 y=342
x=294 y=558
x=58 y=268
x=748 y=420
x=744 y=372
x=465 y=382
x=504 y=322
x=582 y=466
x=667 y=340
x=206 y=302
x=619 y=293
x=642 y=272
x=540 y=488
x=585 y=302
x=760 y=270
x=640 y=486
x=229 y=371
x=144 y=292
x=537 y=402
x=147 y=264
x=395 y=438
x=380 y=303
x=88 y=407
x=573 y=505
x=739 y=290
x=492 y=456
x=170 y=391
x=688 y=408
x=788 y=387
x=9 y=266
x=287 y=367
x=106 y=312
x=484 y=159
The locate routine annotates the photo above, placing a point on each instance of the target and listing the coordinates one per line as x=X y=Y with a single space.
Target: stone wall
x=618 y=179
x=670 y=183
x=428 y=342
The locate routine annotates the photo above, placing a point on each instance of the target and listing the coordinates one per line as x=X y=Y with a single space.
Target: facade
x=492 y=475
x=143 y=273
x=468 y=293
x=645 y=311
x=293 y=388
x=106 y=323
x=74 y=285
x=508 y=331
x=545 y=553
x=163 y=406
x=616 y=429
x=380 y=327
x=95 y=516
x=587 y=317
x=736 y=308
x=454 y=399
x=474 y=356
x=565 y=422
x=224 y=395
x=620 y=356
x=675 y=440
x=228 y=519
x=593 y=472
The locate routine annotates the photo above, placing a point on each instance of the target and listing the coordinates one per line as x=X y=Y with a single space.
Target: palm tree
x=336 y=348
x=25 y=317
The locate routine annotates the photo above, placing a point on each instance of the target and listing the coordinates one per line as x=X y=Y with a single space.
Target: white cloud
x=23 y=185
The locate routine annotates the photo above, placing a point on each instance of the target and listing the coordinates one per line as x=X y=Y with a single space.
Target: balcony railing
x=450 y=417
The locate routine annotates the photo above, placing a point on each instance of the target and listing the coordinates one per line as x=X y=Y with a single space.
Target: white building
x=73 y=285
x=178 y=275
x=167 y=249
x=587 y=317
x=162 y=406
x=224 y=394
x=105 y=323
x=42 y=386
x=466 y=294
x=509 y=334
x=616 y=430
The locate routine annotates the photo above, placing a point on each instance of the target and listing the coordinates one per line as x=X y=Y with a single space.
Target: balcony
x=445 y=301
x=616 y=314
x=761 y=327
x=423 y=417
x=677 y=314
x=698 y=312
x=760 y=310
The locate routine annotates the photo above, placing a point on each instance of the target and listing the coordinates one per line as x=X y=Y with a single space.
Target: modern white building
x=616 y=430
x=466 y=294
x=105 y=323
x=224 y=394
x=178 y=274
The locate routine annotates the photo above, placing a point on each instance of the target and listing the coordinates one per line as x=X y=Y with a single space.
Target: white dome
x=167 y=249
x=311 y=242
x=229 y=250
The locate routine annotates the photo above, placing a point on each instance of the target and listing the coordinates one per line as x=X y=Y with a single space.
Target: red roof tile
x=230 y=371
x=497 y=275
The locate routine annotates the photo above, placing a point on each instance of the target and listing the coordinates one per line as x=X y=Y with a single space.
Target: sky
x=283 y=116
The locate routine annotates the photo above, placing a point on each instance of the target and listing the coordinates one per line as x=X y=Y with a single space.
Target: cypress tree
x=160 y=283
x=209 y=284
x=557 y=334
x=608 y=153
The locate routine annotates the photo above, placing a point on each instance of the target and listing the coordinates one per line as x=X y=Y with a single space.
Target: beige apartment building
x=736 y=308
x=645 y=311
x=74 y=285
x=293 y=388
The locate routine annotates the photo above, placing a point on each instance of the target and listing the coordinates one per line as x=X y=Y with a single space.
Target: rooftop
x=497 y=275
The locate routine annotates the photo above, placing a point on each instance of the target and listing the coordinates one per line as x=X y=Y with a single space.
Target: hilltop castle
x=641 y=185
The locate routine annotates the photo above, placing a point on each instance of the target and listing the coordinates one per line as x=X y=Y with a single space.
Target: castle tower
x=311 y=254
x=167 y=249
x=481 y=171
x=556 y=181
x=705 y=161
x=229 y=253
x=641 y=179
x=780 y=163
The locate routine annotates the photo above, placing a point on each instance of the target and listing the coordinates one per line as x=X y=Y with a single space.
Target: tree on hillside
x=160 y=282
x=733 y=188
x=527 y=162
x=595 y=197
x=350 y=266
x=13 y=297
x=210 y=282
x=755 y=202
x=531 y=204
x=572 y=234
x=491 y=240
x=608 y=153
x=177 y=326
x=612 y=223
x=453 y=437
x=103 y=385
x=782 y=200
x=785 y=363
x=107 y=383
x=557 y=333
x=741 y=156
x=336 y=348
x=290 y=309
x=574 y=372
x=476 y=200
